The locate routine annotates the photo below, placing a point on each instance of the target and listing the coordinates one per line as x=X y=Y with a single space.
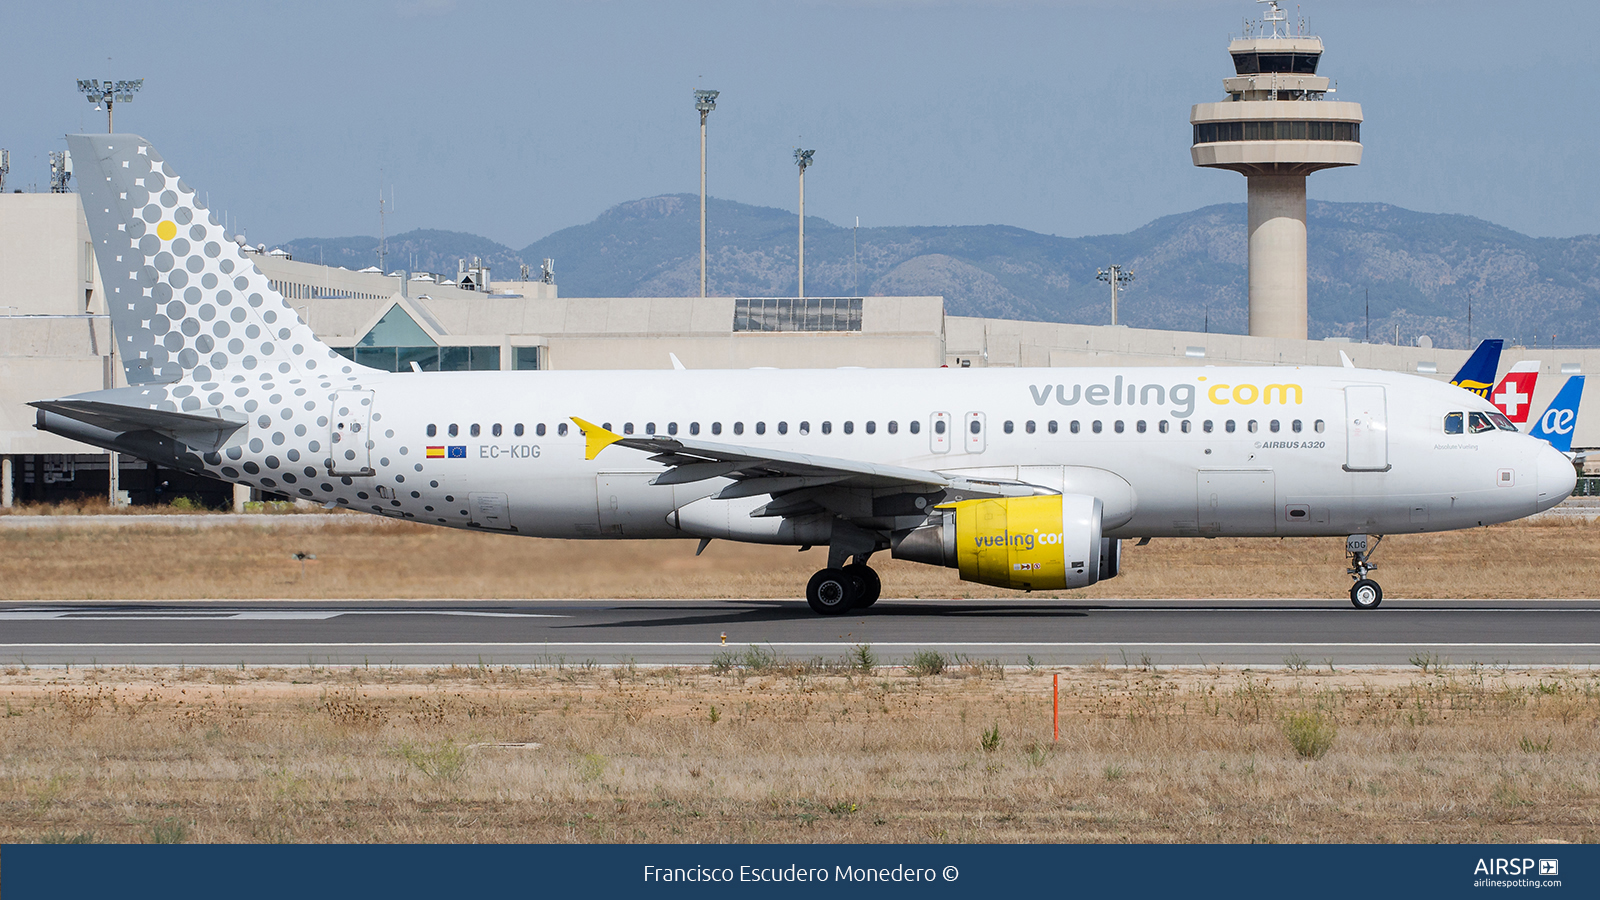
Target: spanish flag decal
x=436 y=453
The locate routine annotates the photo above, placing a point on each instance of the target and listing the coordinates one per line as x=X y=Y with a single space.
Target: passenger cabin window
x=495 y=430
x=454 y=430
x=849 y=427
x=761 y=428
x=894 y=427
x=1295 y=426
x=672 y=428
x=1030 y=427
x=1010 y=426
x=537 y=429
x=1051 y=427
x=783 y=427
x=1163 y=425
x=1117 y=426
x=476 y=430
x=716 y=427
x=1273 y=426
x=433 y=431
x=827 y=428
x=916 y=427
x=1184 y=426
x=627 y=428
x=738 y=428
x=561 y=429
x=1230 y=426
x=1318 y=426
x=694 y=427
x=1095 y=427
x=1250 y=426
x=872 y=427
x=1074 y=427
x=1478 y=423
x=1453 y=423
x=938 y=427
x=517 y=431
x=1206 y=426
x=649 y=428
x=975 y=427
x=1139 y=426
x=805 y=428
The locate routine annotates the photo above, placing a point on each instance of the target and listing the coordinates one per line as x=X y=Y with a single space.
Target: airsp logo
x=1524 y=866
x=1549 y=867
x=1557 y=421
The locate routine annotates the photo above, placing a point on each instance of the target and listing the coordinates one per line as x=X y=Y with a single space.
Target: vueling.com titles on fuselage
x=1181 y=396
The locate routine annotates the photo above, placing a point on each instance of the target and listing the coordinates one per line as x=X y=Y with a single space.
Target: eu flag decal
x=458 y=451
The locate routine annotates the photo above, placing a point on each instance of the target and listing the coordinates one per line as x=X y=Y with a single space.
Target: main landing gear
x=835 y=591
x=1365 y=593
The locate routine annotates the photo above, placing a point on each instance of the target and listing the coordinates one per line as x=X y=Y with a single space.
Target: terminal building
x=1275 y=126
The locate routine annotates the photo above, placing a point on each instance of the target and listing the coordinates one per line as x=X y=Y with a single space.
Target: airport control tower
x=1275 y=128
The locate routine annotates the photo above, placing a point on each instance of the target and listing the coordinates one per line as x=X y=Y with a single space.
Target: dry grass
x=379 y=558
x=796 y=753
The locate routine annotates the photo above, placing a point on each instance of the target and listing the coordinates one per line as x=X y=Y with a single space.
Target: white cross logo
x=1510 y=399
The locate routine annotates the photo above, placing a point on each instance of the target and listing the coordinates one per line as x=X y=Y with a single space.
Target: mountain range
x=1372 y=267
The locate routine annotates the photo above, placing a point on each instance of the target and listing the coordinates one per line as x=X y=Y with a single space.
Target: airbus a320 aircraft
x=1022 y=478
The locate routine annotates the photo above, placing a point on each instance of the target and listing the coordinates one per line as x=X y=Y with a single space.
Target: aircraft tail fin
x=1477 y=375
x=186 y=302
x=1514 y=394
x=1560 y=419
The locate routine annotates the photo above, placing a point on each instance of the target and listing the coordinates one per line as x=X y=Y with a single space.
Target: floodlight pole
x=802 y=158
x=705 y=102
x=109 y=92
x=1117 y=277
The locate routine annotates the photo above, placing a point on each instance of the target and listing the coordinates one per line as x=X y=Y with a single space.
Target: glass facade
x=1291 y=63
x=397 y=341
x=793 y=314
x=1280 y=130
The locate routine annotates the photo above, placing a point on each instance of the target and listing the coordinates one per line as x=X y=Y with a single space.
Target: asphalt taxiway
x=545 y=632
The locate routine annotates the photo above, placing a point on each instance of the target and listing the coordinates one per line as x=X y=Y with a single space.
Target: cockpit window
x=1479 y=423
x=1453 y=423
x=1501 y=422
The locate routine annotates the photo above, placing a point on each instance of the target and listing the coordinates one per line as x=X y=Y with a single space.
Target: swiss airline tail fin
x=1561 y=418
x=1514 y=394
x=1477 y=375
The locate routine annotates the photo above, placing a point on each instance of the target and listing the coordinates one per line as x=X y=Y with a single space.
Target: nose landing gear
x=1365 y=593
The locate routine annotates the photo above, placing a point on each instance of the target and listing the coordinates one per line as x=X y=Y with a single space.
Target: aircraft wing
x=204 y=430
x=758 y=470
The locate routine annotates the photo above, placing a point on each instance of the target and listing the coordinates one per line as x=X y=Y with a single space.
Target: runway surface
x=535 y=632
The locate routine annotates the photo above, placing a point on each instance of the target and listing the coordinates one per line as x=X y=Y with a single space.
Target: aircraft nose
x=1557 y=477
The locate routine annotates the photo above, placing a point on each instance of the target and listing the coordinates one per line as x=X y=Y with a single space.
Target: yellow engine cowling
x=1040 y=543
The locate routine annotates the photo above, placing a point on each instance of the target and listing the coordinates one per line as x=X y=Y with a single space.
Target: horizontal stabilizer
x=203 y=430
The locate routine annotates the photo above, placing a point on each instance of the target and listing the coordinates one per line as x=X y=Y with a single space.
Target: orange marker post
x=1055 y=705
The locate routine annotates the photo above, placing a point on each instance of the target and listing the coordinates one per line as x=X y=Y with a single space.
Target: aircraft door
x=349 y=440
x=939 y=432
x=1366 y=422
x=973 y=432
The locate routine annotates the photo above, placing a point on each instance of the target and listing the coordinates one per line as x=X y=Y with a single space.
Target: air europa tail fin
x=1561 y=418
x=186 y=303
x=1477 y=375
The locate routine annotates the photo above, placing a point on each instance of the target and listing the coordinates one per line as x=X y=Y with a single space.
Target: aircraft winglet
x=595 y=438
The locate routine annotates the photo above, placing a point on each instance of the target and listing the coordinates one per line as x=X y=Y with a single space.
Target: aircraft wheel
x=832 y=592
x=1366 y=594
x=871 y=584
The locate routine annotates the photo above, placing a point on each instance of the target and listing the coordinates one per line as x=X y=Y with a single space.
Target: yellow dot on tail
x=167 y=230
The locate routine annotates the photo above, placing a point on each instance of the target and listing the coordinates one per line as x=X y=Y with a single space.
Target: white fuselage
x=1206 y=451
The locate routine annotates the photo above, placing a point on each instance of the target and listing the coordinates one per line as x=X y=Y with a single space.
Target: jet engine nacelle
x=1042 y=543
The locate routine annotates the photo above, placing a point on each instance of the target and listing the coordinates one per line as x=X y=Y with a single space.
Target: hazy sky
x=515 y=119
